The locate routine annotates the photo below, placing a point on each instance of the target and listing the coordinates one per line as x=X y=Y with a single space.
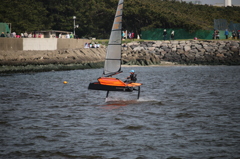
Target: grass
x=105 y=41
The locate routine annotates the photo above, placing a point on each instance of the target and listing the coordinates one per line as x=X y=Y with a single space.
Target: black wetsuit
x=132 y=78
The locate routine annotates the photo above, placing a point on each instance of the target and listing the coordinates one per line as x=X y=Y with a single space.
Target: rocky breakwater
x=135 y=53
x=21 y=61
x=182 y=52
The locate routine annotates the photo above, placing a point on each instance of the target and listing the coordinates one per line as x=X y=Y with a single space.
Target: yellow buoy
x=65 y=82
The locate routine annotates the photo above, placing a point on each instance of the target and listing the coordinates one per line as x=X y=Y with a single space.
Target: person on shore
x=164 y=34
x=138 y=37
x=67 y=36
x=71 y=36
x=217 y=36
x=226 y=33
x=123 y=35
x=96 y=45
x=215 y=33
x=30 y=35
x=25 y=35
x=132 y=78
x=86 y=46
x=14 y=34
x=233 y=34
x=172 y=35
x=8 y=35
x=2 y=35
x=130 y=35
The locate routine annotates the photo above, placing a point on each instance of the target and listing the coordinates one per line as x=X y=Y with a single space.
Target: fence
x=157 y=34
x=219 y=24
x=4 y=27
x=222 y=24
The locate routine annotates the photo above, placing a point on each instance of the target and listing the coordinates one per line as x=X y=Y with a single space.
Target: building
x=228 y=3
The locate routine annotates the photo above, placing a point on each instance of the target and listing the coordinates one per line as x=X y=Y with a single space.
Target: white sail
x=113 y=57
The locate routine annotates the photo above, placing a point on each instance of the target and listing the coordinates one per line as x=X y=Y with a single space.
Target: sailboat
x=112 y=64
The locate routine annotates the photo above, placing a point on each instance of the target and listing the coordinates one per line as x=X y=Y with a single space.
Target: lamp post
x=74 y=17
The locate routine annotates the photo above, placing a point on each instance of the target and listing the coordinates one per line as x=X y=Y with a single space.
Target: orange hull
x=110 y=81
x=114 y=84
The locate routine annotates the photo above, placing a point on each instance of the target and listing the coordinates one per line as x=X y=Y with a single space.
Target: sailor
x=132 y=78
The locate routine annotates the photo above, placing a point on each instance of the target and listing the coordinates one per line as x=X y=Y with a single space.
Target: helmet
x=132 y=71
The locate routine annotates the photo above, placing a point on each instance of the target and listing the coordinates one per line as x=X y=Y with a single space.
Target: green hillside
x=95 y=16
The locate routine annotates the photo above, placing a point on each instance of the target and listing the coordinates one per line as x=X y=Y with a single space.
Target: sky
x=234 y=2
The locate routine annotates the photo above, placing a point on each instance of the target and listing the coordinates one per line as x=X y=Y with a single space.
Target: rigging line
x=112 y=73
x=112 y=59
x=114 y=44
x=117 y=30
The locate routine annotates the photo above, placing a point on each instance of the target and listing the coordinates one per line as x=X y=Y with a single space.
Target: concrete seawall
x=134 y=53
x=20 y=61
x=37 y=44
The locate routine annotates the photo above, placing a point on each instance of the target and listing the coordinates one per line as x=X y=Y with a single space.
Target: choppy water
x=184 y=112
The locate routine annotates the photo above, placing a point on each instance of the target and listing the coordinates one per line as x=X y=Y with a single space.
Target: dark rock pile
x=183 y=52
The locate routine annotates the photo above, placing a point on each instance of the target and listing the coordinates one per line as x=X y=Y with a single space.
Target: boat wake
x=116 y=103
x=129 y=100
x=120 y=100
x=144 y=99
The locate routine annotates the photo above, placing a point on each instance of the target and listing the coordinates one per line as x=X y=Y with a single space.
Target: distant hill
x=95 y=16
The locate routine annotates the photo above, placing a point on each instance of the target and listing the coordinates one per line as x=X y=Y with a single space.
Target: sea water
x=183 y=112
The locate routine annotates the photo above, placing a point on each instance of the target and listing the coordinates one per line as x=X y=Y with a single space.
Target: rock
x=193 y=51
x=174 y=49
x=166 y=42
x=151 y=48
x=138 y=48
x=182 y=42
x=174 y=42
x=150 y=44
x=235 y=48
x=155 y=45
x=133 y=46
x=234 y=44
x=133 y=43
x=219 y=55
x=158 y=43
x=187 y=48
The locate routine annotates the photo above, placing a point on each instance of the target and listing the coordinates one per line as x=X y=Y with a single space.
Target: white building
x=228 y=3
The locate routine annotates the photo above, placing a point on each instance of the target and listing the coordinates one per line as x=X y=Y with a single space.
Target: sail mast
x=113 y=57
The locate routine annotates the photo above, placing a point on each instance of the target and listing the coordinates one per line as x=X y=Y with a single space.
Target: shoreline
x=68 y=67
x=151 y=53
x=48 y=67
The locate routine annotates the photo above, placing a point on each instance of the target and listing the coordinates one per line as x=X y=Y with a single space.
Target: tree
x=27 y=15
x=95 y=17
